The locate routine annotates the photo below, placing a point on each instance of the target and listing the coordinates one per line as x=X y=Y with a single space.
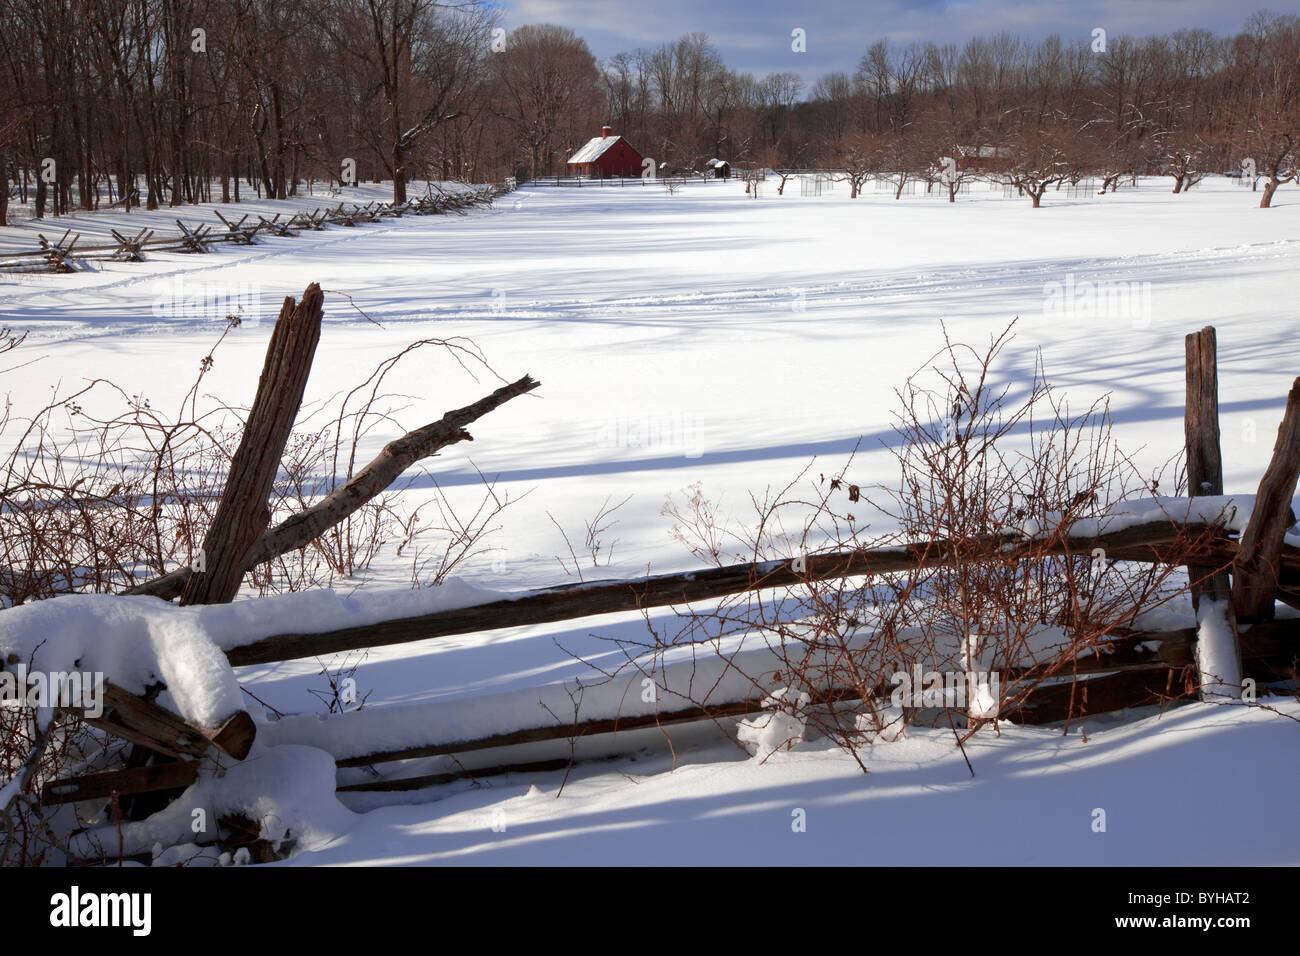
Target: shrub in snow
x=780 y=727
x=1000 y=506
x=883 y=725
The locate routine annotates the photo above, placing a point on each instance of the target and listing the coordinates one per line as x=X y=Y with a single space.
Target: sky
x=756 y=35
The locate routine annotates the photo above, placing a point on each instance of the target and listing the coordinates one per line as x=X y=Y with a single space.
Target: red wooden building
x=605 y=156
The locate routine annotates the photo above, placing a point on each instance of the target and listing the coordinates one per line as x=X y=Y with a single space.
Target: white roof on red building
x=595 y=148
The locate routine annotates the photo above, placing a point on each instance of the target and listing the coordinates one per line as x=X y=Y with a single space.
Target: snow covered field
x=707 y=337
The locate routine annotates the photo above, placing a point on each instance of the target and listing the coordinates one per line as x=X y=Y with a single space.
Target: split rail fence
x=66 y=254
x=1251 y=572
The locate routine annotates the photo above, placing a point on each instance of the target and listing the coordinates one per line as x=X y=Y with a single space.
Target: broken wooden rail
x=242 y=515
x=143 y=723
x=140 y=721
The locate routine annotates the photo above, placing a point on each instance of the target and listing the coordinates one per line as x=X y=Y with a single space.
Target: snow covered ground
x=707 y=337
x=1032 y=801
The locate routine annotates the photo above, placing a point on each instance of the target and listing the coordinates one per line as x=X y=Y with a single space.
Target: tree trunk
x=1270 y=187
x=280 y=147
x=151 y=181
x=399 y=174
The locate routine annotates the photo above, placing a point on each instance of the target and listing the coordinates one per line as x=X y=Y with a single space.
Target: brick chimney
x=605 y=131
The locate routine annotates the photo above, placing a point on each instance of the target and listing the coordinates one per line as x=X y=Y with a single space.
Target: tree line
x=167 y=102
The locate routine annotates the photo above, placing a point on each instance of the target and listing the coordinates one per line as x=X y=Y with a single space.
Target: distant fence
x=578 y=182
x=63 y=255
x=618 y=182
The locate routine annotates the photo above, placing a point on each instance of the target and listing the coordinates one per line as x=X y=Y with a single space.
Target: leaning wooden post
x=1218 y=653
x=243 y=515
x=1255 y=570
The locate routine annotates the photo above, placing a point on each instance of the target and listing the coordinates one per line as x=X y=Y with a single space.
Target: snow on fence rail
x=1145 y=535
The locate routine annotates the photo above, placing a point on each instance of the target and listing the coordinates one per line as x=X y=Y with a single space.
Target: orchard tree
x=1269 y=56
x=901 y=158
x=857 y=161
x=1187 y=157
x=1041 y=157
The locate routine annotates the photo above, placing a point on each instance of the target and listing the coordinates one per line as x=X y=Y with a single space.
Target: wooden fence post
x=243 y=515
x=1254 y=587
x=1218 y=648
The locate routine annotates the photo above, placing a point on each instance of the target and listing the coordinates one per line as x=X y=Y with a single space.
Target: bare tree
x=545 y=84
x=426 y=57
x=1268 y=54
x=1040 y=157
x=858 y=161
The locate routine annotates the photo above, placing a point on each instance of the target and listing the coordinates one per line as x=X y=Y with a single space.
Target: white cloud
x=754 y=35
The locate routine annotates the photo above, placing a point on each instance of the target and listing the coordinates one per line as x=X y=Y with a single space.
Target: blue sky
x=755 y=35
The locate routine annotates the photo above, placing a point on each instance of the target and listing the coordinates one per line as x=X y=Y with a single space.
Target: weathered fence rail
x=1153 y=541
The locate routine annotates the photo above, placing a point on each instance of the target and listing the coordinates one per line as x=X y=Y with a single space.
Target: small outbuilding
x=605 y=156
x=720 y=168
